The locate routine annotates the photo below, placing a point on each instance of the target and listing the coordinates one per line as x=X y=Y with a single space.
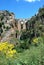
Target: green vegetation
x=32 y=56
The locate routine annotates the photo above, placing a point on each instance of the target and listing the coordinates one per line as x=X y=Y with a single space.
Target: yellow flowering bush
x=11 y=53
x=7 y=48
x=37 y=40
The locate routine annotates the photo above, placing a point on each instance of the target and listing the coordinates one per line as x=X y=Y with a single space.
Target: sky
x=22 y=8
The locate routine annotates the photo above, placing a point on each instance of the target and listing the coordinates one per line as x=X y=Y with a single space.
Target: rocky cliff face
x=6 y=24
x=36 y=19
x=9 y=25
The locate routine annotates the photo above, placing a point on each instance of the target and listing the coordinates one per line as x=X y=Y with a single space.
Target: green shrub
x=3 y=60
x=32 y=56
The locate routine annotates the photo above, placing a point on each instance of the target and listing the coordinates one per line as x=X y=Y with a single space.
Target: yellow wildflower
x=7 y=49
x=35 y=40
